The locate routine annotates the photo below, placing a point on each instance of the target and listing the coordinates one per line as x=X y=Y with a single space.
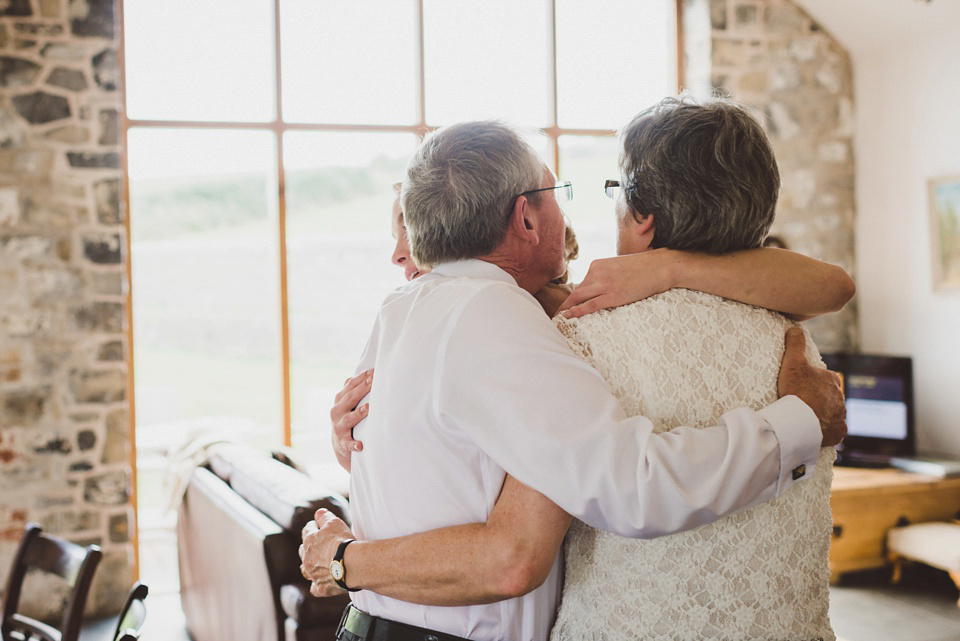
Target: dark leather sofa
x=238 y=532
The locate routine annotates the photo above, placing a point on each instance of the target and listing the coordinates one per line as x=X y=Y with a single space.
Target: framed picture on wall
x=945 y=231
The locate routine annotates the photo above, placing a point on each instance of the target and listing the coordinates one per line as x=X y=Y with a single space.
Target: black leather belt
x=356 y=625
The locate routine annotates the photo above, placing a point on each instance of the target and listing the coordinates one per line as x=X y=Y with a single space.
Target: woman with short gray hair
x=702 y=178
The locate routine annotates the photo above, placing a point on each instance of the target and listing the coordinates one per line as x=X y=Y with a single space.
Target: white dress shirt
x=473 y=381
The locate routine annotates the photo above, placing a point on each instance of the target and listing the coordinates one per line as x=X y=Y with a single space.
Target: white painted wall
x=907 y=93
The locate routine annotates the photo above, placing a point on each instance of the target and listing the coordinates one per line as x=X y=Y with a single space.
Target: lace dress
x=684 y=358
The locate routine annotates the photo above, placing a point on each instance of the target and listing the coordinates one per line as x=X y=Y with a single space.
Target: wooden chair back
x=73 y=563
x=133 y=614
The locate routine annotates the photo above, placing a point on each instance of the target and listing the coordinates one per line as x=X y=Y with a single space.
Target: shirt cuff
x=797 y=429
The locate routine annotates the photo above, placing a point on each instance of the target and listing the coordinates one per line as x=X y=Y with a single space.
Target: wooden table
x=866 y=503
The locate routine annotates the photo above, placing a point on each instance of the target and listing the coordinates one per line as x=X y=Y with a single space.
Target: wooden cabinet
x=866 y=503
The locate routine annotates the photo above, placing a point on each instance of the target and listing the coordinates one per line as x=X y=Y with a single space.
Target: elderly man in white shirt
x=474 y=383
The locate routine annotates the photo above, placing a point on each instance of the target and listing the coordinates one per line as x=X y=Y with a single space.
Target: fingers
x=352 y=383
x=343 y=429
x=588 y=307
x=322 y=589
x=576 y=297
x=795 y=345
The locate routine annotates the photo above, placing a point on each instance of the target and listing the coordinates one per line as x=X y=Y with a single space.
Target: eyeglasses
x=611 y=188
x=564 y=193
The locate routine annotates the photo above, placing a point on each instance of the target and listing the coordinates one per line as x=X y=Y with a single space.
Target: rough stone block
x=51 y=355
x=785 y=77
x=21 y=44
x=782 y=123
x=57 y=283
x=106 y=194
x=53 y=444
x=112 y=351
x=12 y=133
x=65 y=51
x=11 y=365
x=754 y=82
x=118 y=528
x=107 y=283
x=9 y=206
x=108 y=127
x=728 y=53
x=98 y=386
x=72 y=79
x=17 y=72
x=43 y=29
x=25 y=406
x=746 y=16
x=3 y=36
x=786 y=18
x=40 y=107
x=92 y=18
x=50 y=8
x=830 y=78
x=86 y=440
x=718 y=14
x=83 y=160
x=47 y=214
x=105 y=69
x=64 y=523
x=116 y=445
x=102 y=249
x=18 y=8
x=803 y=49
x=64 y=248
x=71 y=134
x=111 y=488
x=81 y=466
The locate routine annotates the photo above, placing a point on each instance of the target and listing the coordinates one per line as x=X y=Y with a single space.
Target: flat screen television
x=879 y=400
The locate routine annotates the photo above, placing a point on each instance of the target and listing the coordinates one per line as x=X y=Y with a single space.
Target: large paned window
x=263 y=137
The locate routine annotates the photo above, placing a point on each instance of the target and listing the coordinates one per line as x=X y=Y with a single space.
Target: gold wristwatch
x=337 y=570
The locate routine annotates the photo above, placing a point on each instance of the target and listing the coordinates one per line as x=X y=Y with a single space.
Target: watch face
x=336 y=570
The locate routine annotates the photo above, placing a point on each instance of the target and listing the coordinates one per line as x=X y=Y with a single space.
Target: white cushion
x=936 y=544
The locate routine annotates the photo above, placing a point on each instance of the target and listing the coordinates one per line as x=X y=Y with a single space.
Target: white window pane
x=209 y=60
x=339 y=196
x=587 y=161
x=614 y=58
x=349 y=62
x=487 y=59
x=205 y=284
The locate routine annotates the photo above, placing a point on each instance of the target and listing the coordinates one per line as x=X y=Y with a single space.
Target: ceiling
x=866 y=25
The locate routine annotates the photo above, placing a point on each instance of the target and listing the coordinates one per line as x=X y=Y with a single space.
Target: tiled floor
x=865 y=607
x=164 y=621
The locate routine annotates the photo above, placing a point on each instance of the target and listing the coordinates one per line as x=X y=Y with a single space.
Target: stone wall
x=64 y=414
x=772 y=55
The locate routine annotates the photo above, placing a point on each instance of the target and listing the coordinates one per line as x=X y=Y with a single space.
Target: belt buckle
x=357 y=622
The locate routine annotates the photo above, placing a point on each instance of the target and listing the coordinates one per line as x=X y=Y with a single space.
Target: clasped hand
x=321 y=537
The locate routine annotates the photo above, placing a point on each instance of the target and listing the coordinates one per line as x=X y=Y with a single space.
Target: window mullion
x=281 y=205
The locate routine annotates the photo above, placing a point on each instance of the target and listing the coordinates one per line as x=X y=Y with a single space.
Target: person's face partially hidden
x=551 y=250
x=631 y=236
x=401 y=253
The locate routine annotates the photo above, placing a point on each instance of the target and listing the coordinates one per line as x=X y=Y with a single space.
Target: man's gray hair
x=705 y=171
x=460 y=189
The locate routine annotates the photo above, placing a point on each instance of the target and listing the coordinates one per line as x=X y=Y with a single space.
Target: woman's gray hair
x=705 y=171
x=461 y=186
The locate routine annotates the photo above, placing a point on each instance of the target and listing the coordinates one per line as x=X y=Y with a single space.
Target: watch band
x=338 y=564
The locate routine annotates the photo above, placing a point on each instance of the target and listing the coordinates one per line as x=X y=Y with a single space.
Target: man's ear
x=523 y=223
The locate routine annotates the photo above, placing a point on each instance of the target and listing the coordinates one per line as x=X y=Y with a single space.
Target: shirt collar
x=473 y=268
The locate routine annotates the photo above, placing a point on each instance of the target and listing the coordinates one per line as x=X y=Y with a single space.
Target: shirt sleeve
x=508 y=382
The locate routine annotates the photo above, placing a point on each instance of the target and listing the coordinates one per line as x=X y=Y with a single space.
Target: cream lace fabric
x=684 y=358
